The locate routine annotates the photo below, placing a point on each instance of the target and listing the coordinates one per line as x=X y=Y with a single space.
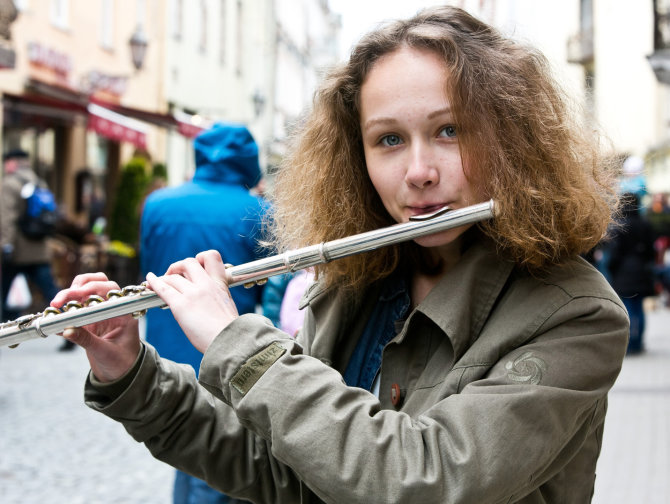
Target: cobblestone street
x=54 y=450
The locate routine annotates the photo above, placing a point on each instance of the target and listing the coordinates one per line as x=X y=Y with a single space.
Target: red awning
x=114 y=121
x=188 y=130
x=190 y=125
x=114 y=126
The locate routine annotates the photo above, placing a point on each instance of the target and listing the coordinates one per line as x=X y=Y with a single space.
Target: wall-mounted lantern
x=138 y=47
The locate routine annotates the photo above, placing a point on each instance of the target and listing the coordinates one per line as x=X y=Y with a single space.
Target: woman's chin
x=443 y=239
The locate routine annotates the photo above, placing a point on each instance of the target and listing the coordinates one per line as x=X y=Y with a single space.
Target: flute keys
x=253 y=283
x=23 y=322
x=72 y=305
x=114 y=293
x=50 y=310
x=94 y=299
x=132 y=289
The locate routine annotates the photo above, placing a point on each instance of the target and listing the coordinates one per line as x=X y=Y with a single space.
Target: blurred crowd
x=635 y=256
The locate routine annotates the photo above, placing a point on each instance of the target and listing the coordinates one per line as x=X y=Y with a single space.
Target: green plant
x=124 y=222
x=159 y=171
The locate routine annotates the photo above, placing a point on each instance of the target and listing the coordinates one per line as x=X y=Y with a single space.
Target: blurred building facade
x=74 y=96
x=64 y=97
x=306 y=43
x=616 y=55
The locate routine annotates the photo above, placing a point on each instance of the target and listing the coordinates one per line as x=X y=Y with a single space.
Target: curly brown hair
x=518 y=136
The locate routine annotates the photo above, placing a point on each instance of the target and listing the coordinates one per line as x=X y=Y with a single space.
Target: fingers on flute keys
x=85 y=289
x=213 y=263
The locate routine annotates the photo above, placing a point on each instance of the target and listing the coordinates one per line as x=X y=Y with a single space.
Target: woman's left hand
x=196 y=292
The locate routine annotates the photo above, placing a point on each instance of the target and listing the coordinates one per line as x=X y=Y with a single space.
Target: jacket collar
x=463 y=299
x=459 y=304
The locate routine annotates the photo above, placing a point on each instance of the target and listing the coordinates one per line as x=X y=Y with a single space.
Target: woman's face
x=411 y=141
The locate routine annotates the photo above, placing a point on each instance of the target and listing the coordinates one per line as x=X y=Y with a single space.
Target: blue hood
x=227 y=153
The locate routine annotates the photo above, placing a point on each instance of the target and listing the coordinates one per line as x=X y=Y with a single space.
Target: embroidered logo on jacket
x=253 y=369
x=526 y=368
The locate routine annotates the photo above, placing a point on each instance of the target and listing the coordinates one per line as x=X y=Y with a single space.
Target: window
x=202 y=45
x=60 y=13
x=222 y=32
x=239 y=52
x=107 y=24
x=177 y=21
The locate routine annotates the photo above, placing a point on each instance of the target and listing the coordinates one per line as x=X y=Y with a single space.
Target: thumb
x=81 y=337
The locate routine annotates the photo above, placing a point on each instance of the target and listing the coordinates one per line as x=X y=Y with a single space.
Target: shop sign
x=56 y=61
x=95 y=81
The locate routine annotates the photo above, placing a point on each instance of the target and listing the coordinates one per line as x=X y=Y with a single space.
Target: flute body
x=136 y=300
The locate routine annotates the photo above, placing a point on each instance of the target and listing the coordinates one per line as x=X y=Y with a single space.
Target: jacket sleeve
x=495 y=441
x=183 y=425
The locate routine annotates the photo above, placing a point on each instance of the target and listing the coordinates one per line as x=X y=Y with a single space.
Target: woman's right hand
x=111 y=345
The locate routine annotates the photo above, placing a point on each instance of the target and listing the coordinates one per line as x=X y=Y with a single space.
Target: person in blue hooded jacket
x=215 y=210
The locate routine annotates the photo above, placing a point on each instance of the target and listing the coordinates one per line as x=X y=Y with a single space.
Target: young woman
x=472 y=365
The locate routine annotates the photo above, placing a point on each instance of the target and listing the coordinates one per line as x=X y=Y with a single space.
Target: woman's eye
x=448 y=131
x=391 y=140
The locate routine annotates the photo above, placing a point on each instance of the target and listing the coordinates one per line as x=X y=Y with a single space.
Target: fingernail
x=68 y=332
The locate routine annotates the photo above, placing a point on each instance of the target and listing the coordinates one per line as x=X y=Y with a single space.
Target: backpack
x=40 y=213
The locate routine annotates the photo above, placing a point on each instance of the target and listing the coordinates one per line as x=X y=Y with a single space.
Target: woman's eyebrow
x=390 y=120
x=378 y=120
x=442 y=111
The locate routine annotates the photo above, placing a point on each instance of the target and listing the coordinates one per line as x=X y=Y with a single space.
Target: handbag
x=18 y=296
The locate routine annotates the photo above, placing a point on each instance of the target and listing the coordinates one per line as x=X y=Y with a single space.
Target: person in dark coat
x=631 y=265
x=21 y=253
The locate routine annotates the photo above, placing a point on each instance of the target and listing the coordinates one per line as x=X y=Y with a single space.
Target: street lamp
x=138 y=47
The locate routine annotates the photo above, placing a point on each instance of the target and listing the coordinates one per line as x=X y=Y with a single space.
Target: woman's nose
x=422 y=169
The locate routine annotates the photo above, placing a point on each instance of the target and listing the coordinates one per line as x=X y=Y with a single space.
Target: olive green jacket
x=494 y=391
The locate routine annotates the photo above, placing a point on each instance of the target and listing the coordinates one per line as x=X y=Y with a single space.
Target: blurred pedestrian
x=659 y=219
x=21 y=254
x=273 y=295
x=281 y=299
x=291 y=313
x=214 y=210
x=633 y=179
x=631 y=265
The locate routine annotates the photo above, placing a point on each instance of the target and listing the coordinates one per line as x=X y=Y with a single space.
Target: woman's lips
x=426 y=209
x=427 y=212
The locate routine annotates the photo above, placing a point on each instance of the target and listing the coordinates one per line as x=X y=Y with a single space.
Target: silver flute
x=136 y=300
